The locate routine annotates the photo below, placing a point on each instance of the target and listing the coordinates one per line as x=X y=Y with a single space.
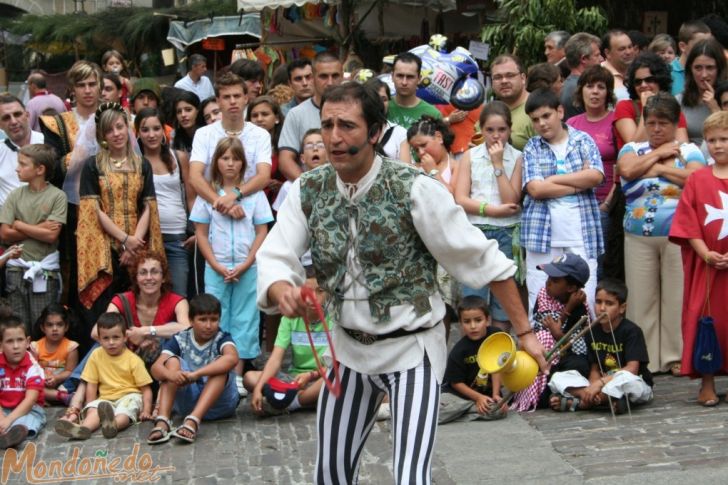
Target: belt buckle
x=362 y=337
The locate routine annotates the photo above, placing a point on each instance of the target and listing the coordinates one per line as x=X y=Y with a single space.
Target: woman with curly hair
x=648 y=74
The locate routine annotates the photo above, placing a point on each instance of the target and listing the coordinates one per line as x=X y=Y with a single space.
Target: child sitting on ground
x=559 y=305
x=21 y=386
x=55 y=353
x=466 y=392
x=118 y=386
x=617 y=357
x=196 y=372
x=268 y=399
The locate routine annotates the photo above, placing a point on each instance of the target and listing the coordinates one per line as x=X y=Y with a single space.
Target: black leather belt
x=368 y=338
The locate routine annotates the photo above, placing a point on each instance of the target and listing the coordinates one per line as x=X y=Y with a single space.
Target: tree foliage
x=522 y=25
x=133 y=30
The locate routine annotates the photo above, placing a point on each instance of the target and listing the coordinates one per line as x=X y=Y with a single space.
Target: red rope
x=309 y=297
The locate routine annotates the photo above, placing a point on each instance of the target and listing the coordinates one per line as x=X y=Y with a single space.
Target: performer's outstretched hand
x=288 y=298
x=530 y=344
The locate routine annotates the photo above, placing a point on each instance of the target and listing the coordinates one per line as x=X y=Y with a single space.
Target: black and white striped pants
x=343 y=424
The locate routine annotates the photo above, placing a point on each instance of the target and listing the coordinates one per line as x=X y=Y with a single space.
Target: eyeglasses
x=311 y=146
x=645 y=80
x=508 y=75
x=152 y=272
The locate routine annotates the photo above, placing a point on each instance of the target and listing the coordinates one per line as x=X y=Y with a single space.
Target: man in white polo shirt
x=14 y=121
x=231 y=97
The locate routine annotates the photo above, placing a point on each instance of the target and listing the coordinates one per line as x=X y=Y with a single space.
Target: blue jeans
x=505 y=244
x=187 y=396
x=178 y=262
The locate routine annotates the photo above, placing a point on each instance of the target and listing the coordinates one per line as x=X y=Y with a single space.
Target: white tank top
x=172 y=213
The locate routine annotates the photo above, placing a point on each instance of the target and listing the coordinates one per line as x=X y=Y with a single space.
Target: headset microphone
x=353 y=150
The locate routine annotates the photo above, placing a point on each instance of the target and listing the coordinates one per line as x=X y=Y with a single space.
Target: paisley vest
x=396 y=265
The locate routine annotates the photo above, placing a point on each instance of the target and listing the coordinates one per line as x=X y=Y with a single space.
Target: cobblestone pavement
x=672 y=437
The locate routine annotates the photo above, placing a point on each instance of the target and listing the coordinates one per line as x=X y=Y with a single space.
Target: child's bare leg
x=74 y=407
x=122 y=421
x=239 y=367
x=91 y=421
x=309 y=396
x=168 y=390
x=251 y=378
x=707 y=395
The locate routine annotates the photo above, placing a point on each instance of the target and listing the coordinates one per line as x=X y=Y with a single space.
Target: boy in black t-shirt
x=466 y=391
x=617 y=357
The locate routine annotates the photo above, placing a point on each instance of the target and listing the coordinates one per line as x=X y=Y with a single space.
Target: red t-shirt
x=165 y=311
x=15 y=381
x=625 y=110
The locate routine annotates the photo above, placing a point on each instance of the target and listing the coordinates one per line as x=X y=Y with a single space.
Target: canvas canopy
x=181 y=35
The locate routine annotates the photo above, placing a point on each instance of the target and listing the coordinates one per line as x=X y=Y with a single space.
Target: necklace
x=117 y=163
x=233 y=134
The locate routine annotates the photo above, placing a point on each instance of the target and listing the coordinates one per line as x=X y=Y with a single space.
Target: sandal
x=565 y=403
x=71 y=411
x=676 y=369
x=108 y=419
x=710 y=402
x=163 y=435
x=192 y=431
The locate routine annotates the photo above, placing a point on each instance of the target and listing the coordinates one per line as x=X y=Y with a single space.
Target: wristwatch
x=152 y=331
x=497 y=172
x=434 y=172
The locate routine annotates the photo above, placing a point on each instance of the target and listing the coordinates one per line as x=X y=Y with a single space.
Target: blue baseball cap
x=568 y=264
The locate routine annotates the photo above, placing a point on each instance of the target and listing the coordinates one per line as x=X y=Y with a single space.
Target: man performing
x=376 y=228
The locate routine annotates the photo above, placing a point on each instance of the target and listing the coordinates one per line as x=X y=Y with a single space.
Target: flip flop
x=71 y=430
x=108 y=421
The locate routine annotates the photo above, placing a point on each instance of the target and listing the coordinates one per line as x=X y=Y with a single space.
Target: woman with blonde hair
x=117 y=215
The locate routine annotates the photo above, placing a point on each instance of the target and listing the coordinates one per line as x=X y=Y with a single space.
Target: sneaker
x=384 y=412
x=279 y=394
x=242 y=391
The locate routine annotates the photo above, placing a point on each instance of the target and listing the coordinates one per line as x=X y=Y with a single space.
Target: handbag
x=151 y=348
x=707 y=357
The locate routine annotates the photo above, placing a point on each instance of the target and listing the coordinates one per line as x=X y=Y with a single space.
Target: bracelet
x=707 y=259
x=481 y=211
x=126 y=238
x=522 y=334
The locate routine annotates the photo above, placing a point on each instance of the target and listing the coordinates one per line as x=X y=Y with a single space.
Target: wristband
x=522 y=334
x=238 y=194
x=481 y=210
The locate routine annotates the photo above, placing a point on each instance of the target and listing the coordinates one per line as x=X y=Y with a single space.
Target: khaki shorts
x=129 y=405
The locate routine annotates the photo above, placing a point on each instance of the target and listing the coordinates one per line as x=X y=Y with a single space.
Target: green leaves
x=522 y=25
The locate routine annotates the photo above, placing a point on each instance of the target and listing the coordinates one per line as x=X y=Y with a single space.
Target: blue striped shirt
x=539 y=163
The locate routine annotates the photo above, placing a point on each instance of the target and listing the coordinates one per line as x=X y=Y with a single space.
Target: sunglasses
x=647 y=80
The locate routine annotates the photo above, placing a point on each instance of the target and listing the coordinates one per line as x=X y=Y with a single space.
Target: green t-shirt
x=292 y=331
x=407 y=117
x=22 y=204
x=521 y=127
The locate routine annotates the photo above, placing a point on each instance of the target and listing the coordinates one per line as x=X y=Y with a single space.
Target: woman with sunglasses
x=648 y=74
